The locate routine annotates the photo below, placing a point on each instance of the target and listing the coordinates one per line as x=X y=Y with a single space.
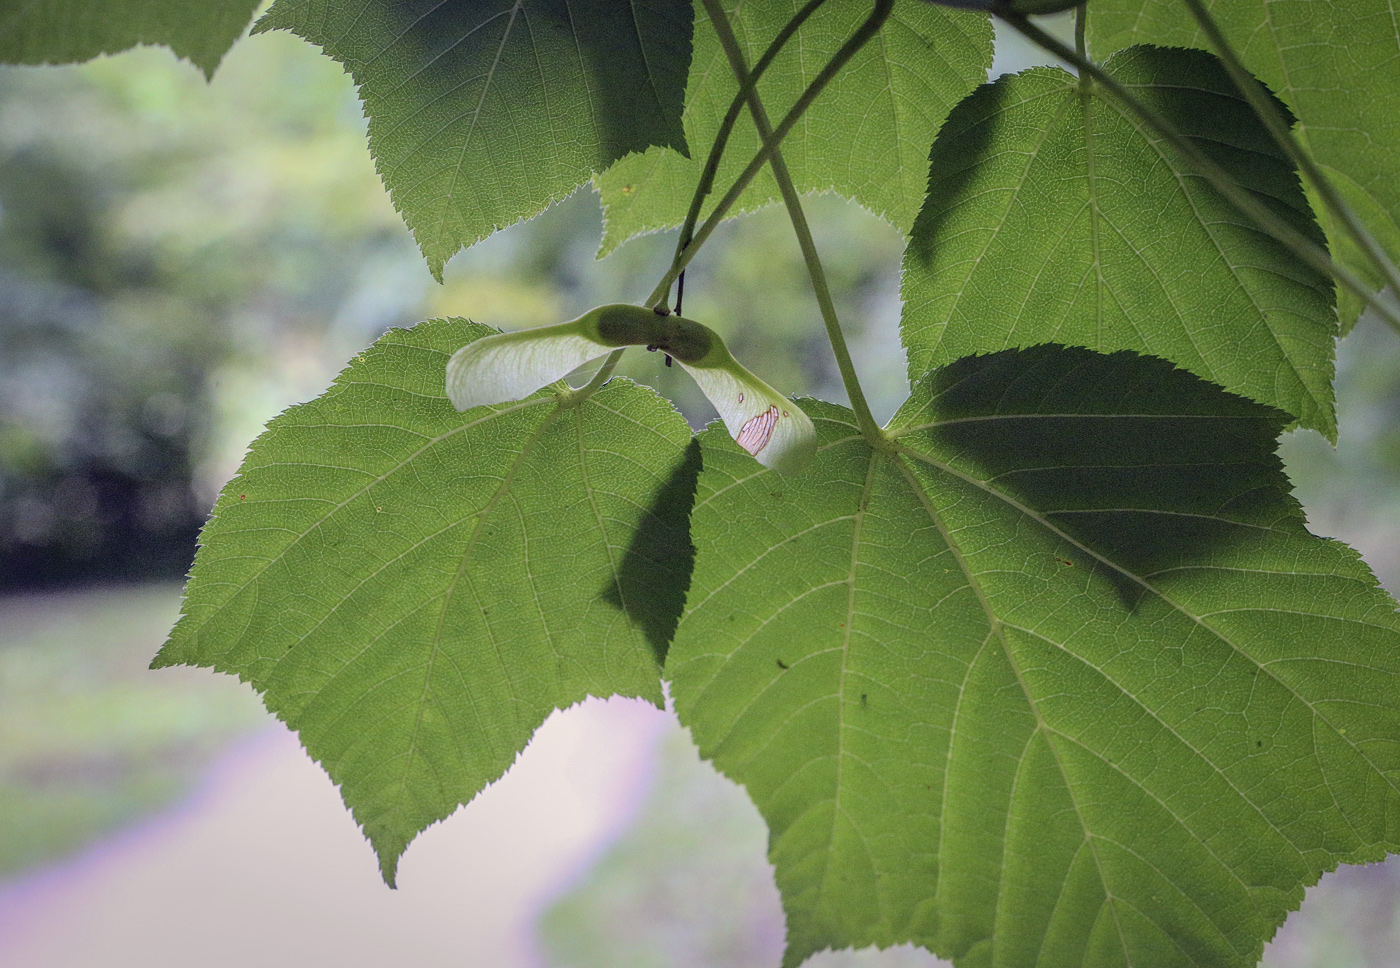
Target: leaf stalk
x=726 y=127
x=1299 y=244
x=1267 y=110
x=803 y=231
x=604 y=373
x=853 y=44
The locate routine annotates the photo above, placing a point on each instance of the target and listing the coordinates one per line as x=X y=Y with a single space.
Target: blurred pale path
x=265 y=867
x=609 y=838
x=90 y=740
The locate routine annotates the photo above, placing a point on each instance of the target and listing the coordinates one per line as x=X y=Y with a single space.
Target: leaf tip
x=389 y=867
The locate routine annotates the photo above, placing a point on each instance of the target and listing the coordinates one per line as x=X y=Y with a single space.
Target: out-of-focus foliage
x=179 y=260
x=162 y=240
x=1352 y=491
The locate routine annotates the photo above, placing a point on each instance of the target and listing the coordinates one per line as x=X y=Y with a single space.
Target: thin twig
x=833 y=67
x=1300 y=245
x=730 y=43
x=736 y=105
x=1278 y=126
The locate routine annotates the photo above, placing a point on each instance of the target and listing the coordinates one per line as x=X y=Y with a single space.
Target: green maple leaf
x=1057 y=676
x=1333 y=64
x=484 y=112
x=1128 y=250
x=415 y=589
x=63 y=31
x=865 y=137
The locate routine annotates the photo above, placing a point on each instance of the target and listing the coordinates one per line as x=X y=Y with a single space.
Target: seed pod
x=1010 y=6
x=511 y=366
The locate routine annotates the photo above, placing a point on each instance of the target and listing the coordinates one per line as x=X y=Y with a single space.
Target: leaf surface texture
x=484 y=112
x=415 y=589
x=1336 y=65
x=1057 y=678
x=1054 y=216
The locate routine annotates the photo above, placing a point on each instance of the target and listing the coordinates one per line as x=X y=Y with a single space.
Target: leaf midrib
x=1048 y=525
x=995 y=626
x=435 y=648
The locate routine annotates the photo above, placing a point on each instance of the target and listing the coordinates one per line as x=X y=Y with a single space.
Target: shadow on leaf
x=655 y=571
x=1143 y=465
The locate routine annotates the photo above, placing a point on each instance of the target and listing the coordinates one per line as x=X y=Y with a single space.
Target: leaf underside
x=484 y=112
x=414 y=589
x=64 y=31
x=865 y=137
x=1060 y=678
x=1334 y=64
x=1055 y=217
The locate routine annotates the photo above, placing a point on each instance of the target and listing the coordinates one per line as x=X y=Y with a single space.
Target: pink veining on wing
x=756 y=433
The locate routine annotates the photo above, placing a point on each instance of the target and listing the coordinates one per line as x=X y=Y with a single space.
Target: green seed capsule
x=511 y=366
x=1041 y=6
x=676 y=336
x=1030 y=7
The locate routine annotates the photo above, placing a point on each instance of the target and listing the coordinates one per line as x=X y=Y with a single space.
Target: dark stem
x=1300 y=245
x=853 y=44
x=869 y=428
x=731 y=117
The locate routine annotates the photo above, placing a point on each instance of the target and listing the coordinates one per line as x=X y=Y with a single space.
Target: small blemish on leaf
x=864 y=701
x=627 y=189
x=782 y=665
x=1066 y=562
x=758 y=431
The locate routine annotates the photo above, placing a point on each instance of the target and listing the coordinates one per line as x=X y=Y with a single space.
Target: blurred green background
x=179 y=261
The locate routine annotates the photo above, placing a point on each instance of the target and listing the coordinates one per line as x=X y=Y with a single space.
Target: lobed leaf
x=1057 y=676
x=484 y=112
x=64 y=31
x=865 y=137
x=414 y=589
x=1336 y=65
x=1054 y=215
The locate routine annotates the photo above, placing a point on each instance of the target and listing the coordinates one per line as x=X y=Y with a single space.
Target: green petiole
x=1301 y=246
x=799 y=223
x=853 y=44
x=726 y=127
